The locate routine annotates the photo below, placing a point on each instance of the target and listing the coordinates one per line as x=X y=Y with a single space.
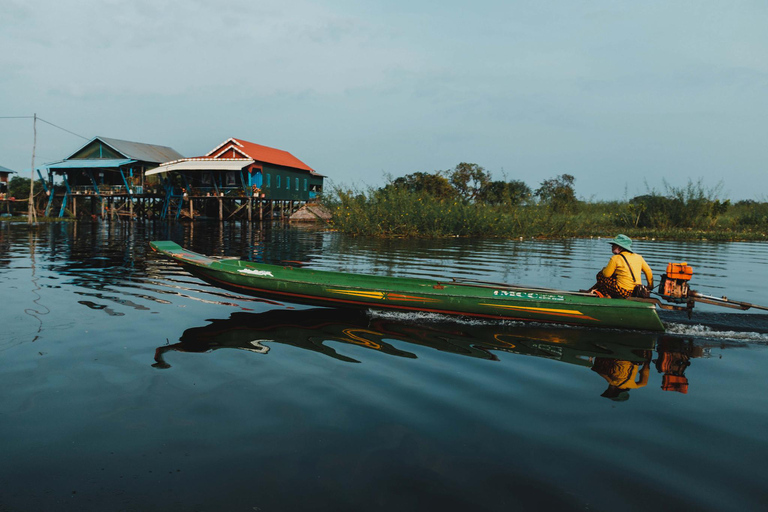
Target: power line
x=47 y=122
x=60 y=128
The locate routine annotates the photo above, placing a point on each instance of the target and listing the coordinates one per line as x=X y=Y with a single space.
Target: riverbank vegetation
x=466 y=202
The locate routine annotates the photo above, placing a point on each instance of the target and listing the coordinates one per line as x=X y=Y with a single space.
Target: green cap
x=622 y=241
x=616 y=394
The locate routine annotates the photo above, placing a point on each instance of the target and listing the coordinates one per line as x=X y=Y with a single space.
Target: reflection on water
x=622 y=359
x=332 y=410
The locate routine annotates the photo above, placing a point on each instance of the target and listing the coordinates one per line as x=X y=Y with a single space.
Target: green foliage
x=509 y=193
x=428 y=205
x=691 y=206
x=469 y=180
x=558 y=193
x=751 y=214
x=18 y=187
x=398 y=212
x=434 y=184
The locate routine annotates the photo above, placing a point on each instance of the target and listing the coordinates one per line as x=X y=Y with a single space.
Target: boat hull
x=339 y=289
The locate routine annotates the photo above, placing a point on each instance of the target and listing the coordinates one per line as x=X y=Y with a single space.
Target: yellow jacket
x=617 y=266
x=624 y=375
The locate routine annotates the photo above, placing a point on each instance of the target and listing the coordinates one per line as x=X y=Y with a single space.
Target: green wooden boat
x=458 y=298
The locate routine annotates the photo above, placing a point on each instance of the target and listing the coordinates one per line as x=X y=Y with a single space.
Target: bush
x=421 y=182
x=411 y=208
x=558 y=193
x=752 y=214
x=691 y=206
x=18 y=187
x=469 y=180
x=510 y=193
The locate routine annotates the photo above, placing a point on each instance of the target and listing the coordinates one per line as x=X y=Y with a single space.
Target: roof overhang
x=95 y=163
x=202 y=164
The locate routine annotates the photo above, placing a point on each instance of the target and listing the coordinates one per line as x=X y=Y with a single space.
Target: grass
x=396 y=212
x=39 y=219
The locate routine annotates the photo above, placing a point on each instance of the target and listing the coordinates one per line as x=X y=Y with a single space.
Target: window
x=269 y=181
x=287 y=183
x=297 y=183
x=305 y=184
x=278 y=181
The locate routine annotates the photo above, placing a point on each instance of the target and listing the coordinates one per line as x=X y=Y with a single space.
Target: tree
x=692 y=206
x=18 y=187
x=505 y=192
x=469 y=180
x=434 y=184
x=558 y=193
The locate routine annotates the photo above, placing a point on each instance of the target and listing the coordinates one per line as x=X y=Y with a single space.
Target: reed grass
x=40 y=219
x=396 y=212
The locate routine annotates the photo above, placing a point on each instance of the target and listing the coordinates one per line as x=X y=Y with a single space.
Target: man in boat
x=621 y=275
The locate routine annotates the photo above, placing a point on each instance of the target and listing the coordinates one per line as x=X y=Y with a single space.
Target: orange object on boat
x=679 y=271
x=677 y=383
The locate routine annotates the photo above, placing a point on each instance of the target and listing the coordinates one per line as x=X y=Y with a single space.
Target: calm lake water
x=128 y=384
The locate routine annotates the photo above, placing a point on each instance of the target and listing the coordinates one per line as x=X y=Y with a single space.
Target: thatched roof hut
x=312 y=212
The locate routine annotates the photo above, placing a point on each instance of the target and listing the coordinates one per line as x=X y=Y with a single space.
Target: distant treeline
x=465 y=201
x=18 y=187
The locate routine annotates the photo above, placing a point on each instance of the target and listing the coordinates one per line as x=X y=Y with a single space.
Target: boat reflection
x=673 y=358
x=310 y=329
x=623 y=359
x=623 y=375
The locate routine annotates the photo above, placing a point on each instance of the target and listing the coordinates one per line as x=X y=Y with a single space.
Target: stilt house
x=240 y=168
x=107 y=166
x=4 y=176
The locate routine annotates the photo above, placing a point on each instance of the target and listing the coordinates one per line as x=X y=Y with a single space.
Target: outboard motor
x=673 y=286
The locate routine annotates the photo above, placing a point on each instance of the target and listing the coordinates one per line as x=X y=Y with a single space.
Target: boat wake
x=704 y=331
x=712 y=326
x=437 y=318
x=720 y=326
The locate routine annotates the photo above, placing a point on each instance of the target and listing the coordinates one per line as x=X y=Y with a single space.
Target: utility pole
x=32 y=212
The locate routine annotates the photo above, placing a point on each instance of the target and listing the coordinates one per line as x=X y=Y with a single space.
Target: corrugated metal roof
x=95 y=163
x=143 y=152
x=5 y=169
x=137 y=150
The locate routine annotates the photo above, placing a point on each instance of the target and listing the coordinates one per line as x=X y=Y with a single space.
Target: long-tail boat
x=448 y=297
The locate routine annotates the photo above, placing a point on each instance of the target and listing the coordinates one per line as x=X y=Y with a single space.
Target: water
x=130 y=385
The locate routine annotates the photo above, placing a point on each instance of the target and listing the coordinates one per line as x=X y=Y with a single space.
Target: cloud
x=538 y=89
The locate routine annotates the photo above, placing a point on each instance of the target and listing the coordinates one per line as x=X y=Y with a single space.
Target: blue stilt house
x=106 y=167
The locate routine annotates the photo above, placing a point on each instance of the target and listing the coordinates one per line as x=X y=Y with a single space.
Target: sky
x=628 y=97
